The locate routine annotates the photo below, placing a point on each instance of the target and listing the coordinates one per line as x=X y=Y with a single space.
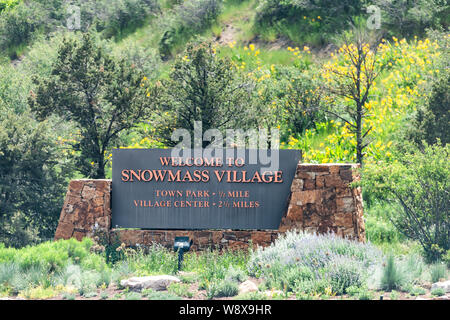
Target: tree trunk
x=359 y=142
x=100 y=174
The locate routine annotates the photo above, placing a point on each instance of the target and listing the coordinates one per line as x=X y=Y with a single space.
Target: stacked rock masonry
x=322 y=200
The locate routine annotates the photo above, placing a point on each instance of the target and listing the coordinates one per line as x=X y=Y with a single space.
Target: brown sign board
x=154 y=189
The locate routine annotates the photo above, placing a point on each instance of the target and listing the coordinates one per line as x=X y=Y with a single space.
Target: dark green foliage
x=33 y=177
x=433 y=121
x=18 y=25
x=201 y=87
x=446 y=258
x=294 y=17
x=8 y=4
x=408 y=17
x=189 y=18
x=379 y=229
x=103 y=97
x=302 y=96
x=419 y=184
x=438 y=292
x=123 y=15
x=144 y=58
x=18 y=230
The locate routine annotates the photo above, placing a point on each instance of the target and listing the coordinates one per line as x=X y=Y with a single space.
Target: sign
x=153 y=189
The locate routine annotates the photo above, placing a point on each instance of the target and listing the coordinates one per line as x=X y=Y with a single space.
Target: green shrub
x=189 y=277
x=288 y=278
x=159 y=295
x=438 y=271
x=180 y=289
x=392 y=278
x=30 y=161
x=432 y=121
x=312 y=287
x=235 y=274
x=418 y=184
x=344 y=273
x=318 y=20
x=51 y=255
x=7 y=4
x=412 y=17
x=18 y=25
x=104 y=295
x=223 y=288
x=124 y=15
x=446 y=258
x=68 y=296
x=438 y=292
x=360 y=293
x=379 y=228
x=412 y=269
x=133 y=296
x=365 y=294
x=394 y=295
x=189 y=18
x=417 y=291
x=91 y=294
x=303 y=296
x=253 y=295
x=212 y=265
x=154 y=259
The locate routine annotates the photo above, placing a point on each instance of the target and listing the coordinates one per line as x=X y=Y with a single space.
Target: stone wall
x=321 y=201
x=87 y=205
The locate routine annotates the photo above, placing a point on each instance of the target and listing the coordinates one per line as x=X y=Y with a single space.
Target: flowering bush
x=396 y=93
x=315 y=258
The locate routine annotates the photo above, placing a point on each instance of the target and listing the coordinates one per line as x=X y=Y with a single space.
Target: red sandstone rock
x=320 y=182
x=345 y=204
x=297 y=185
x=309 y=184
x=343 y=219
x=79 y=235
x=64 y=230
x=304 y=197
x=295 y=213
x=334 y=169
x=333 y=180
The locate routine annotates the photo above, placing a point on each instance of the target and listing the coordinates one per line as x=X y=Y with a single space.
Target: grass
x=268 y=56
x=218 y=273
x=223 y=288
x=180 y=289
x=438 y=271
x=240 y=14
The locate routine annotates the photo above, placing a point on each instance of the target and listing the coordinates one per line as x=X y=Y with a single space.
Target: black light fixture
x=182 y=245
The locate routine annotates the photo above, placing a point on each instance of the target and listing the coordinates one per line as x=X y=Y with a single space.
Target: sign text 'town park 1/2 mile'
x=153 y=189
